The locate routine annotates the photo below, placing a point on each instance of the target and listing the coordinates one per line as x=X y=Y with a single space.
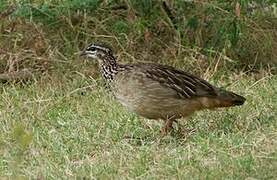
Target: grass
x=62 y=124
x=57 y=29
x=72 y=128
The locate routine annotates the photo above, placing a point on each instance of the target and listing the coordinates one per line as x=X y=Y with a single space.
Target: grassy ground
x=72 y=128
x=61 y=123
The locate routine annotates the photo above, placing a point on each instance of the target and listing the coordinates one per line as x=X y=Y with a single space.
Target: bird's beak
x=83 y=53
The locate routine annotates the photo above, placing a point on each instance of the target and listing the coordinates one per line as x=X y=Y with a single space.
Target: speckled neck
x=108 y=67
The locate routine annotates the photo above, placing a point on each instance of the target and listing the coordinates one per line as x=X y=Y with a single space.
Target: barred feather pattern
x=185 y=84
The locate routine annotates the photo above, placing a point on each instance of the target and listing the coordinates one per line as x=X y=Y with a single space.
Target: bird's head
x=96 y=51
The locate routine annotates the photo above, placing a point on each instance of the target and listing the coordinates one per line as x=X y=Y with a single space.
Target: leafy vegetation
x=243 y=32
x=61 y=123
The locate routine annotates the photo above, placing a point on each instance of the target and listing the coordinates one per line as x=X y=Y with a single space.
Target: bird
x=156 y=91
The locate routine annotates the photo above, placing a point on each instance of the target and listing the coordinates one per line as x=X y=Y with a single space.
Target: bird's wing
x=185 y=84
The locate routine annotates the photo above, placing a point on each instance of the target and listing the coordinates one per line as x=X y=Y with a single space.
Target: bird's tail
x=222 y=98
x=228 y=98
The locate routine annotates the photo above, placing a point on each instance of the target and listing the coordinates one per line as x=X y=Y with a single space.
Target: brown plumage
x=157 y=91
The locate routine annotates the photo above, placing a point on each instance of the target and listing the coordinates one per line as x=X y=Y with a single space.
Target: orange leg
x=167 y=126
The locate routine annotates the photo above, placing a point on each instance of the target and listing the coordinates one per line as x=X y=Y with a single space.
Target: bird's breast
x=149 y=98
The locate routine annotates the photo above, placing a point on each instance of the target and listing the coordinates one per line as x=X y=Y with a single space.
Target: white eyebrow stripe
x=100 y=47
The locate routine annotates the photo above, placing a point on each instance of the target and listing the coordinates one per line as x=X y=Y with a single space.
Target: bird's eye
x=92 y=49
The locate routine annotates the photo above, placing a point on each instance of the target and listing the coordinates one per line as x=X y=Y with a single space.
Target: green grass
x=73 y=128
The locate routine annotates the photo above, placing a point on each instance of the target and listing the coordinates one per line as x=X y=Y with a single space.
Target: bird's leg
x=167 y=126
